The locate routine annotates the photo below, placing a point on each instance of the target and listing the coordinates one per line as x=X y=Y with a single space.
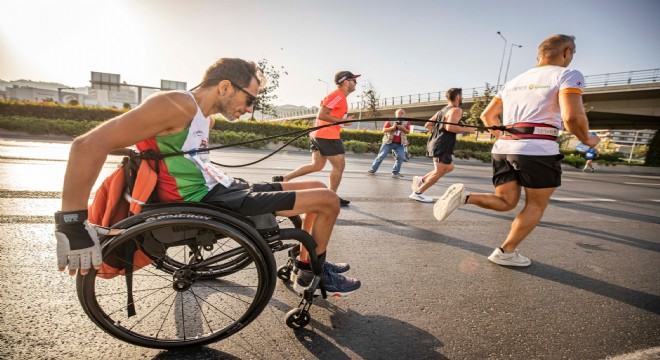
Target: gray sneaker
x=454 y=197
x=397 y=175
x=513 y=259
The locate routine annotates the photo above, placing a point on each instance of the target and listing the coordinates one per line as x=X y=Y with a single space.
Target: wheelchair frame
x=201 y=255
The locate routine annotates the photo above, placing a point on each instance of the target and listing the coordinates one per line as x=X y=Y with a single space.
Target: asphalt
x=592 y=292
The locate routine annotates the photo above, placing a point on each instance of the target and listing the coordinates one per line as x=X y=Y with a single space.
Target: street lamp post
x=326 y=85
x=497 y=88
x=506 y=73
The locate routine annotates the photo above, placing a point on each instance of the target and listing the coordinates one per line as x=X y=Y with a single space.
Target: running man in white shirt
x=535 y=103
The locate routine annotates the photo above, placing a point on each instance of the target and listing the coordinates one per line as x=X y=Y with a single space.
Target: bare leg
x=321 y=208
x=318 y=162
x=536 y=200
x=338 y=163
x=435 y=175
x=506 y=197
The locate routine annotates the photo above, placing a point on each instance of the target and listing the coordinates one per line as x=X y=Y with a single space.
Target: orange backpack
x=111 y=205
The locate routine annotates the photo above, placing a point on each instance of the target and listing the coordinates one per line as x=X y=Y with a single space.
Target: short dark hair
x=236 y=70
x=452 y=93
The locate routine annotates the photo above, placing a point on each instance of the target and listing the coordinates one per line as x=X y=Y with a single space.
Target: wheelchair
x=211 y=273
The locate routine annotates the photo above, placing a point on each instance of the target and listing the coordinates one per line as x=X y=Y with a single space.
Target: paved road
x=428 y=292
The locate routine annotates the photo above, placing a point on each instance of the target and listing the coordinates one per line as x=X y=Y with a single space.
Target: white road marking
x=567 y=199
x=648 y=184
x=645 y=177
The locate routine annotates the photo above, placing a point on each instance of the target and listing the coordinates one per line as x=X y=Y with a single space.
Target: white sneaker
x=420 y=197
x=417 y=183
x=453 y=198
x=513 y=259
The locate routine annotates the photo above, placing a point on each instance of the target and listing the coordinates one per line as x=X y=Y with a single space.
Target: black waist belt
x=530 y=131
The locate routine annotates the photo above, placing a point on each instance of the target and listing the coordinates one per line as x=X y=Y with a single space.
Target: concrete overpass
x=628 y=100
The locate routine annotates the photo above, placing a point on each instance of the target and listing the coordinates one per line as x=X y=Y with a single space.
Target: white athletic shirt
x=533 y=97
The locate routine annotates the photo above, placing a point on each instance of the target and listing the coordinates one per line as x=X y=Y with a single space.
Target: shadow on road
x=194 y=353
x=369 y=337
x=631 y=297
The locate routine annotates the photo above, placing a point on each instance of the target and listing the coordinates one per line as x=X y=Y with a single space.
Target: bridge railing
x=600 y=80
x=623 y=78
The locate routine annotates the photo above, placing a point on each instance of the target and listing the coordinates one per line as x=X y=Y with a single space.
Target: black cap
x=342 y=76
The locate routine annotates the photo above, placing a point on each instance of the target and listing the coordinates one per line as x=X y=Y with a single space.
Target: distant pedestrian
x=534 y=105
x=394 y=140
x=326 y=144
x=442 y=142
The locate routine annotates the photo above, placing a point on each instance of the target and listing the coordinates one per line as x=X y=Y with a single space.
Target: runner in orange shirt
x=326 y=143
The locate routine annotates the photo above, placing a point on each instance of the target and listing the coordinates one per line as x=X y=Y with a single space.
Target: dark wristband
x=70 y=217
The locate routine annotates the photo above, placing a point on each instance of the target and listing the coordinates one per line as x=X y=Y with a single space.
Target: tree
x=478 y=106
x=73 y=102
x=606 y=145
x=267 y=94
x=653 y=155
x=371 y=101
x=127 y=106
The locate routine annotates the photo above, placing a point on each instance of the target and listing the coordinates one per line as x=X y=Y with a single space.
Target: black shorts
x=327 y=147
x=536 y=172
x=444 y=158
x=251 y=199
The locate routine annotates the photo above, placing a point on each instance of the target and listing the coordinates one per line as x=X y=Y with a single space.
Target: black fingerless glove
x=72 y=225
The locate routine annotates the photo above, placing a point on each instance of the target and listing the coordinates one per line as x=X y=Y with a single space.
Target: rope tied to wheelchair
x=523 y=130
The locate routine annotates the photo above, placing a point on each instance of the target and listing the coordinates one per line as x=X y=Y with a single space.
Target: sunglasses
x=251 y=99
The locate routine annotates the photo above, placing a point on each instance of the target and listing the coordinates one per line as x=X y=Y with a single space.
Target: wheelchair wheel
x=297 y=318
x=234 y=259
x=177 y=258
x=181 y=307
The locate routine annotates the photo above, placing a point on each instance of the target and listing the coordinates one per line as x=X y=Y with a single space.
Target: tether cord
x=300 y=133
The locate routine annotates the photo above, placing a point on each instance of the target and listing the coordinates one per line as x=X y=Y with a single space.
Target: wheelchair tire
x=297 y=318
x=180 y=308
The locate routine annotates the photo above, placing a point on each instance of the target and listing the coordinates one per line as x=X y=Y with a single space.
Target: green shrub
x=49 y=110
x=575 y=160
x=357 y=147
x=232 y=137
x=40 y=126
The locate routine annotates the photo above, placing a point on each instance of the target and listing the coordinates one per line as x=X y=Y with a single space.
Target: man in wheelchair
x=179 y=121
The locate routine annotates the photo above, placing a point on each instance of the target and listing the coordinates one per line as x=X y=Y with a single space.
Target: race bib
x=217 y=174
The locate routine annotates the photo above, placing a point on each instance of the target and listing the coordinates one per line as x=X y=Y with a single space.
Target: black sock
x=466 y=198
x=502 y=250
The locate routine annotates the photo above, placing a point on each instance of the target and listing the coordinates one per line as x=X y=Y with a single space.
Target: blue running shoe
x=338 y=268
x=334 y=284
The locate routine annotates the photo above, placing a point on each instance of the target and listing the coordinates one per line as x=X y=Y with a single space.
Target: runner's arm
x=454 y=116
x=575 y=119
x=490 y=116
x=429 y=125
x=157 y=115
x=324 y=114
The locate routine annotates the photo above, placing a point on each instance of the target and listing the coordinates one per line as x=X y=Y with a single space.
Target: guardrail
x=600 y=80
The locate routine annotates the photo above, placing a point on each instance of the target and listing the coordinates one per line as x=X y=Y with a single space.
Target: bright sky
x=401 y=47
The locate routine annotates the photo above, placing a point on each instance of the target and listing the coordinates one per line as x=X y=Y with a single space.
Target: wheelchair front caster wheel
x=284 y=273
x=297 y=318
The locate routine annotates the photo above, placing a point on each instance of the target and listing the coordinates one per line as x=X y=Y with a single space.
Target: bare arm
x=575 y=119
x=160 y=114
x=429 y=125
x=453 y=117
x=405 y=128
x=490 y=116
x=324 y=114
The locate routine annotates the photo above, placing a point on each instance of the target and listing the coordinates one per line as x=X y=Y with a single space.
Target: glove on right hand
x=77 y=241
